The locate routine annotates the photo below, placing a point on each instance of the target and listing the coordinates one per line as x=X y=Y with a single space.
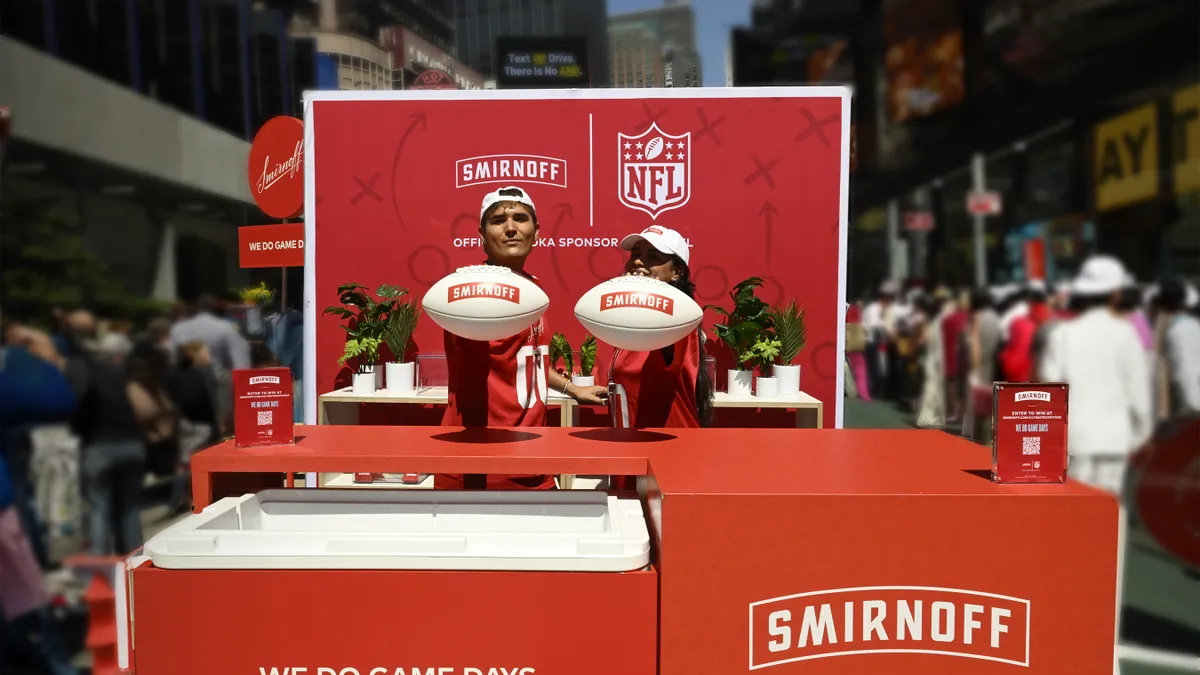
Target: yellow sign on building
x=1185 y=139
x=1126 y=158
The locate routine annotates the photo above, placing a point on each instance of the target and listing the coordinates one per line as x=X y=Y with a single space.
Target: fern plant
x=401 y=320
x=790 y=329
x=587 y=356
x=560 y=349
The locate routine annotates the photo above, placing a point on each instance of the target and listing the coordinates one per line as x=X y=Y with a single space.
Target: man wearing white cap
x=668 y=387
x=483 y=376
x=1099 y=354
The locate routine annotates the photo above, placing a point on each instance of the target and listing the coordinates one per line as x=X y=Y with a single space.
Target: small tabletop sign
x=1029 y=432
x=262 y=407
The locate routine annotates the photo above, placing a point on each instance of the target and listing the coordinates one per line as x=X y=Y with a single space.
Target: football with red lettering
x=638 y=313
x=485 y=303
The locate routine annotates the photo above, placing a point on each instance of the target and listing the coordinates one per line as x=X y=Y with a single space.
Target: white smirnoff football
x=485 y=302
x=638 y=313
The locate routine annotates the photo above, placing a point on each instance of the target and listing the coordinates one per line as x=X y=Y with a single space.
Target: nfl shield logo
x=655 y=170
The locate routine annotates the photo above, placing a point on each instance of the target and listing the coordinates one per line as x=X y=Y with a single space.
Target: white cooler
x=334 y=529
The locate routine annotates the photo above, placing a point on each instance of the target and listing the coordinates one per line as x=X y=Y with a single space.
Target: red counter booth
x=786 y=550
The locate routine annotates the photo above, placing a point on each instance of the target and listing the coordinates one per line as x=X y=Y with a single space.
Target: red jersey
x=659 y=394
x=502 y=383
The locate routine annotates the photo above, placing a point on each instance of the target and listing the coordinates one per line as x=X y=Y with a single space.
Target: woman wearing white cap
x=1099 y=354
x=668 y=387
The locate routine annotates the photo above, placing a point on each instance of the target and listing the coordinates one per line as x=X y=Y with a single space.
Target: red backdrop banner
x=755 y=179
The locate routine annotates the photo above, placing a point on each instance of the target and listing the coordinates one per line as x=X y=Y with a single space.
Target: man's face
x=508 y=233
x=81 y=323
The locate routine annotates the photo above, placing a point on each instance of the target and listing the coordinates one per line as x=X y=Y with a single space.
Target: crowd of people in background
x=1129 y=351
x=91 y=413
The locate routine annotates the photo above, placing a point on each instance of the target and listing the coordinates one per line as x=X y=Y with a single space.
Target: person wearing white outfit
x=1099 y=354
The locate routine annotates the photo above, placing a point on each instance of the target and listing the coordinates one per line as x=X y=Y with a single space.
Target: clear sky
x=714 y=19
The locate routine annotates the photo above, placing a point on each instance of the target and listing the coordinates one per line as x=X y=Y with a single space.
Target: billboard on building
x=924 y=57
x=542 y=63
x=413 y=55
x=1033 y=48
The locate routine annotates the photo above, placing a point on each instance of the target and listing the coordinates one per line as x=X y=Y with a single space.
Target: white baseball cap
x=1099 y=275
x=493 y=198
x=663 y=239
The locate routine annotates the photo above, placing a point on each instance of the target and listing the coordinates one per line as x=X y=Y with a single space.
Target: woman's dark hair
x=1131 y=299
x=981 y=298
x=1172 y=296
x=1082 y=303
x=148 y=367
x=704 y=385
x=262 y=357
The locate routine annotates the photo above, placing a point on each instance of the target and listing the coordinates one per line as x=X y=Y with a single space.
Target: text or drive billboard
x=542 y=63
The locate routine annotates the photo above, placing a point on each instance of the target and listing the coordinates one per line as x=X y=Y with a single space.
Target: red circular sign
x=277 y=167
x=1168 y=494
x=434 y=79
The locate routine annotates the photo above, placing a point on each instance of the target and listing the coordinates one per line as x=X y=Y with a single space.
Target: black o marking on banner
x=412 y=267
x=769 y=282
x=605 y=276
x=717 y=295
x=814 y=359
x=458 y=220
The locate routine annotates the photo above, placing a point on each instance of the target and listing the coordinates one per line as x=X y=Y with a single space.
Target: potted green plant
x=366 y=322
x=401 y=323
x=790 y=329
x=740 y=330
x=560 y=350
x=587 y=363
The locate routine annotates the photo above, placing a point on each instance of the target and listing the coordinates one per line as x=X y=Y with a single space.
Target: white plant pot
x=766 y=387
x=789 y=379
x=364 y=381
x=583 y=380
x=740 y=383
x=400 y=377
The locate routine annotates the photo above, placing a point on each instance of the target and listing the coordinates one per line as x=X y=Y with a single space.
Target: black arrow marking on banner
x=768 y=213
x=417 y=119
x=565 y=211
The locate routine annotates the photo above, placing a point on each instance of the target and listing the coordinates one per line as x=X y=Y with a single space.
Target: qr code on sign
x=1030 y=445
x=264 y=418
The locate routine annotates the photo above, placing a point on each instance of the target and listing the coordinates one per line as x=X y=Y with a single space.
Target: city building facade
x=655 y=48
x=130 y=132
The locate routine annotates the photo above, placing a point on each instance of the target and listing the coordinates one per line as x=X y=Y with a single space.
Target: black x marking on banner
x=652 y=117
x=815 y=127
x=709 y=128
x=762 y=171
x=366 y=189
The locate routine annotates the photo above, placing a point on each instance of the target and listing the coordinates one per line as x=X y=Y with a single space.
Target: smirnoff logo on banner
x=655 y=170
x=264 y=379
x=511 y=168
x=288 y=168
x=895 y=620
x=483 y=290
x=1032 y=396
x=654 y=301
